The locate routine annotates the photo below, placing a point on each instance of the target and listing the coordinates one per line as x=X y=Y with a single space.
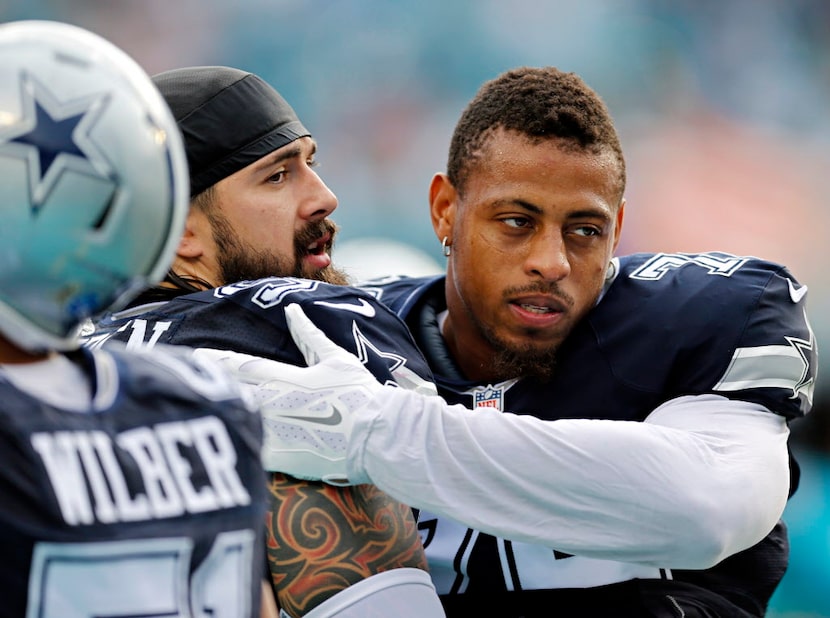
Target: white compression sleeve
x=702 y=478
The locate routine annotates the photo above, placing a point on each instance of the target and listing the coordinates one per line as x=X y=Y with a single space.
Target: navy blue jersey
x=150 y=503
x=668 y=325
x=248 y=317
x=369 y=531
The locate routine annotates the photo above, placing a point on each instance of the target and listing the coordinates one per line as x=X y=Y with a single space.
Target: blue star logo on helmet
x=93 y=178
x=52 y=137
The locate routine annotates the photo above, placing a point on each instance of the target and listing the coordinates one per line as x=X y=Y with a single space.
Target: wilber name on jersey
x=149 y=502
x=149 y=472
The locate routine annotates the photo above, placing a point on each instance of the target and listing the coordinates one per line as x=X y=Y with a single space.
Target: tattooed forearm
x=321 y=539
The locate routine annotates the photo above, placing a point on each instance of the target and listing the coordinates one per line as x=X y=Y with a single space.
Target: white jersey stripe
x=771 y=366
x=504 y=550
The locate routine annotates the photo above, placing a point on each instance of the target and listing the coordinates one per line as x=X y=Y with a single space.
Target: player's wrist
x=366 y=418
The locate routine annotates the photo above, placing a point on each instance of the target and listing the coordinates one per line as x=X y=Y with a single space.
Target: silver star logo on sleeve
x=805 y=350
x=773 y=366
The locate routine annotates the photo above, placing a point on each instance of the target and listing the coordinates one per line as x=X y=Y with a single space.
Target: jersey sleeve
x=713 y=323
x=775 y=360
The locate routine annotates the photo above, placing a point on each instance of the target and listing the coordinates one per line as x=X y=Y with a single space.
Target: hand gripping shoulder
x=308 y=413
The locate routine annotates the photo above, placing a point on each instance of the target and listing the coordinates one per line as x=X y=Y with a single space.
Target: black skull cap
x=229 y=118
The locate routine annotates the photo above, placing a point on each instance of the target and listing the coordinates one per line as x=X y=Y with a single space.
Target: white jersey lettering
x=90 y=481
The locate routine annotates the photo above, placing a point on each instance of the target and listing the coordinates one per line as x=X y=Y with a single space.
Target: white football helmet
x=93 y=181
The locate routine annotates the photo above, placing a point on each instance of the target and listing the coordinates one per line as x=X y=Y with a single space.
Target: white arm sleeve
x=702 y=478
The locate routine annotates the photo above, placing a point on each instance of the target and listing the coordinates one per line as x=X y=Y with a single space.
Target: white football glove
x=307 y=412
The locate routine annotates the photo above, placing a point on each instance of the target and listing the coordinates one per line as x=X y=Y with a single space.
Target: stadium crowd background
x=723 y=107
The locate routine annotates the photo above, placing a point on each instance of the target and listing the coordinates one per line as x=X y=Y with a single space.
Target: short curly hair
x=540 y=103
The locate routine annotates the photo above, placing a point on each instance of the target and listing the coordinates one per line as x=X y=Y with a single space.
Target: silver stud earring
x=446 y=249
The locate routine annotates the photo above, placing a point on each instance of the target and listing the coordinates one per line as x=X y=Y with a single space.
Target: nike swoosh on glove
x=307 y=412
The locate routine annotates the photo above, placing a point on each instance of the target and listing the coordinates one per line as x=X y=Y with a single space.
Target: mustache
x=314 y=231
x=548 y=288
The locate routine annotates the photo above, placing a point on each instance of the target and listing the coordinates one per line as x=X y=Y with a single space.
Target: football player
x=640 y=466
x=258 y=235
x=131 y=483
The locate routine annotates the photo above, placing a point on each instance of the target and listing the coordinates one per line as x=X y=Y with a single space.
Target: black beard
x=522 y=360
x=240 y=263
x=525 y=362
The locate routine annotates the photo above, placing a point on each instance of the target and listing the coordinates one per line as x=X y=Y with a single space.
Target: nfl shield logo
x=489 y=397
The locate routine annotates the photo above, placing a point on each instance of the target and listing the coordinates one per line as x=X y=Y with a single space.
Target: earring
x=446 y=249
x=611 y=271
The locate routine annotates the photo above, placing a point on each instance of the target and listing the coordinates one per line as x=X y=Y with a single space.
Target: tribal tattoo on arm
x=321 y=539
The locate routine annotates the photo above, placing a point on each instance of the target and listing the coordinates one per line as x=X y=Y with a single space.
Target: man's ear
x=618 y=225
x=191 y=245
x=442 y=205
